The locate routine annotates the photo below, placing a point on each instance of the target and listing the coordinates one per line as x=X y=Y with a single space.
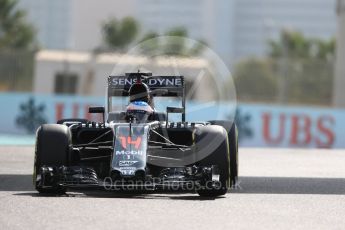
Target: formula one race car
x=139 y=148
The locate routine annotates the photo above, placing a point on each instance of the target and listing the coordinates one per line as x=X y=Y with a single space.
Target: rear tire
x=83 y=121
x=219 y=157
x=53 y=147
x=231 y=128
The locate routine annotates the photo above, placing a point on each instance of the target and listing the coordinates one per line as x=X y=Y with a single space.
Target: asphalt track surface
x=278 y=189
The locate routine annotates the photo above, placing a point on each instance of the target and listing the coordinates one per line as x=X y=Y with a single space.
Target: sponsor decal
x=298 y=130
x=127 y=171
x=127 y=163
x=132 y=152
x=129 y=141
x=153 y=82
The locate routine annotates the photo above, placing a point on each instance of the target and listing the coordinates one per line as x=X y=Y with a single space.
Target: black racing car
x=139 y=148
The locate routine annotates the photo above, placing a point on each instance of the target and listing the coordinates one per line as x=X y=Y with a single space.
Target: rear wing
x=164 y=86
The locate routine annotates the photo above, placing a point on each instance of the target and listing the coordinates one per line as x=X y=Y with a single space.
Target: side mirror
x=98 y=109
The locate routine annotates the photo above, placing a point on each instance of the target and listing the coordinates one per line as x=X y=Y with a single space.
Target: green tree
x=118 y=34
x=293 y=44
x=325 y=49
x=305 y=67
x=297 y=70
x=255 y=81
x=15 y=33
x=148 y=44
x=173 y=45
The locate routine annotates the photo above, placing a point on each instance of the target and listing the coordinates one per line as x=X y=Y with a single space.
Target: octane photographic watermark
x=135 y=185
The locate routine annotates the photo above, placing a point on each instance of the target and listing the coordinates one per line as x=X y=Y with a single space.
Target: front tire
x=232 y=131
x=53 y=147
x=83 y=121
x=216 y=137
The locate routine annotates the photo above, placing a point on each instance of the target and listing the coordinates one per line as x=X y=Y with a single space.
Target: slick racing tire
x=84 y=121
x=216 y=137
x=53 y=147
x=231 y=128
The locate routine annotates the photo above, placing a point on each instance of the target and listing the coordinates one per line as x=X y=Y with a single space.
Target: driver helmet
x=140 y=110
x=139 y=92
